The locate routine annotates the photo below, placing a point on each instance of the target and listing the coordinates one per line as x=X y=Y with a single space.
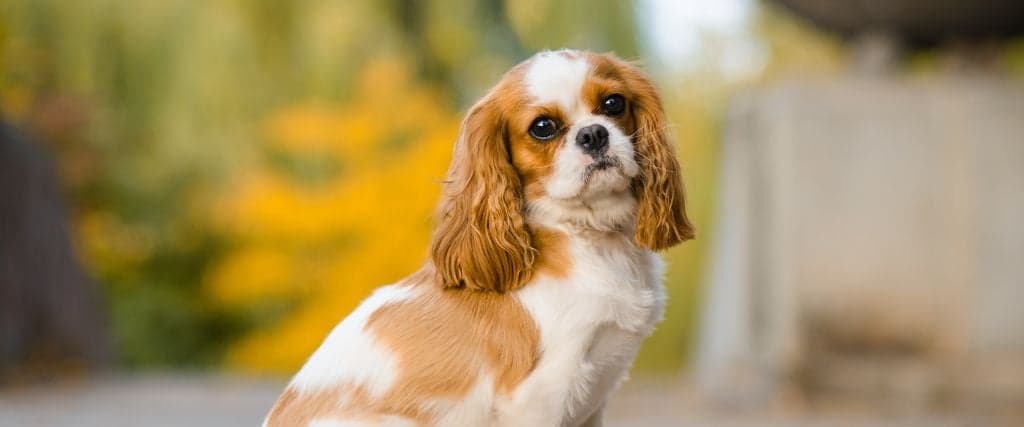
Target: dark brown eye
x=613 y=105
x=543 y=129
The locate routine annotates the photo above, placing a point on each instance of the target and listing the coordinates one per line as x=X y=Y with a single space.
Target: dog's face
x=566 y=137
x=570 y=130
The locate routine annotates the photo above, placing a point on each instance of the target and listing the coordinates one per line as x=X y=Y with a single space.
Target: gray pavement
x=198 y=401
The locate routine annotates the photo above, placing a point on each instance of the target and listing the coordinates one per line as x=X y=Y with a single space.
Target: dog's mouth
x=603 y=163
x=602 y=170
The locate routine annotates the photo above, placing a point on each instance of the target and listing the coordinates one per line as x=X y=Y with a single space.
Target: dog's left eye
x=613 y=105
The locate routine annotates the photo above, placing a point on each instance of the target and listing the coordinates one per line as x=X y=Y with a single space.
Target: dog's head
x=566 y=137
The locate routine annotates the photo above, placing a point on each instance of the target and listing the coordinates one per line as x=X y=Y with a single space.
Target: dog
x=542 y=280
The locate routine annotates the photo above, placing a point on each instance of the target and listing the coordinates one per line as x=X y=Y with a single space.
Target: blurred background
x=193 y=193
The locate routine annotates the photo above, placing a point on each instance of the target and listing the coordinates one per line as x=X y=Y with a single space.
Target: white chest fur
x=591 y=323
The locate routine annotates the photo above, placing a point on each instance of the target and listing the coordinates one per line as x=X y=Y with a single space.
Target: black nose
x=593 y=139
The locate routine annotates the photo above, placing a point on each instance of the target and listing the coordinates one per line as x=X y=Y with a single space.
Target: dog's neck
x=596 y=218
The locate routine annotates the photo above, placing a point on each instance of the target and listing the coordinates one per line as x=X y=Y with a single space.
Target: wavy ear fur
x=482 y=242
x=661 y=212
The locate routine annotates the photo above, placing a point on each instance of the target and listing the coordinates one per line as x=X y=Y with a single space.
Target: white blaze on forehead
x=557 y=77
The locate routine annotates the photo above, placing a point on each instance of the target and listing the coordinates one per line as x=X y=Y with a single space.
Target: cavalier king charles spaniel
x=542 y=280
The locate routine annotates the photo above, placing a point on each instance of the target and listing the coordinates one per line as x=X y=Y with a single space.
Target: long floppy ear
x=481 y=242
x=661 y=212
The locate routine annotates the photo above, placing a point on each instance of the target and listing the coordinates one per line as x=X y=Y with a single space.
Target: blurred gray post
x=870 y=236
x=50 y=314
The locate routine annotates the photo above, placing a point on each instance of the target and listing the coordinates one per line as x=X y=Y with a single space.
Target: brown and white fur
x=542 y=281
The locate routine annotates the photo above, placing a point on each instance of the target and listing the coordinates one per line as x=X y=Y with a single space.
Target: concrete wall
x=870 y=243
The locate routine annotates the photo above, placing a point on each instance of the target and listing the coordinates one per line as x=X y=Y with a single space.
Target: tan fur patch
x=553 y=256
x=444 y=337
x=290 y=409
x=342 y=402
x=443 y=341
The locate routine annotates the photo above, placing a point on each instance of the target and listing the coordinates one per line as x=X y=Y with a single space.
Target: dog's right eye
x=543 y=129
